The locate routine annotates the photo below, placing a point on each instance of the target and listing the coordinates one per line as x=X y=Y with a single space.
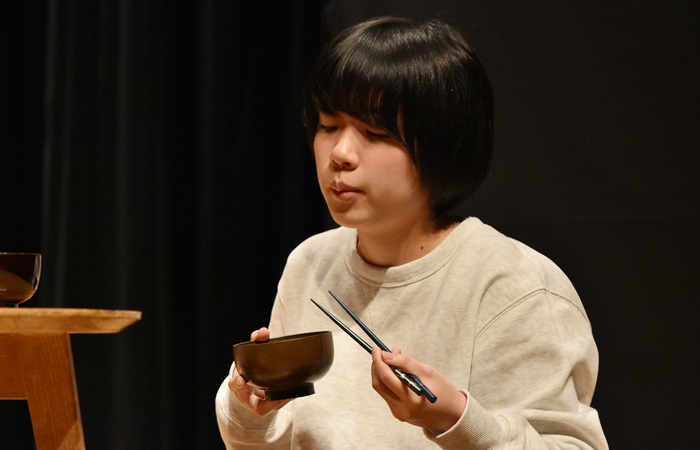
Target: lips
x=343 y=191
x=340 y=186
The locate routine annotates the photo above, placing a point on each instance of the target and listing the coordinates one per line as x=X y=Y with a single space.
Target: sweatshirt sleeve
x=243 y=429
x=533 y=375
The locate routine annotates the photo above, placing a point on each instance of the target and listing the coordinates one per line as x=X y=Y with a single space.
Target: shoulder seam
x=521 y=299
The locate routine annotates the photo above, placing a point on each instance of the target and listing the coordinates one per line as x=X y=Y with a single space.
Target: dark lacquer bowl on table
x=19 y=277
x=285 y=367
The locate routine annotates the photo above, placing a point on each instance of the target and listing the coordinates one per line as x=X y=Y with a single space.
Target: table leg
x=11 y=374
x=51 y=391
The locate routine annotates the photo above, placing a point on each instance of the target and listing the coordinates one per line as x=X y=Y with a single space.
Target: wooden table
x=36 y=364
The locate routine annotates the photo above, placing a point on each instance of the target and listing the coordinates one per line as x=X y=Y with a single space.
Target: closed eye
x=327 y=128
x=376 y=135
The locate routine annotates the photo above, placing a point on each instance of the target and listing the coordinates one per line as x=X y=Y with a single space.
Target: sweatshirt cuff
x=232 y=413
x=477 y=427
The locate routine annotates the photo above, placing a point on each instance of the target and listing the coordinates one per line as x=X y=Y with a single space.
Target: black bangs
x=361 y=91
x=361 y=79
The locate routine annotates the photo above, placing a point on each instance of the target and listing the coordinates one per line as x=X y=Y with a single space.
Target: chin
x=345 y=219
x=341 y=221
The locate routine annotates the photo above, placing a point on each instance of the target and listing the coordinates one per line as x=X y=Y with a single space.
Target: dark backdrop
x=154 y=154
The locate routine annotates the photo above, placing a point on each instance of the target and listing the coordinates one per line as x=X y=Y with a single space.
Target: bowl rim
x=288 y=338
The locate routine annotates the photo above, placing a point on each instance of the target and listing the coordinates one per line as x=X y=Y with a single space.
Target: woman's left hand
x=405 y=405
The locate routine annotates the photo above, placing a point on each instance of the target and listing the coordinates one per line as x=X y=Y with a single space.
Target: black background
x=154 y=154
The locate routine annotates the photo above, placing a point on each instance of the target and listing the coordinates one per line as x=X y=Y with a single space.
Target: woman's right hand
x=250 y=397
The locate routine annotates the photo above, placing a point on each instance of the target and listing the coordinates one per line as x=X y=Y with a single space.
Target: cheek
x=318 y=155
x=398 y=170
x=321 y=149
x=321 y=158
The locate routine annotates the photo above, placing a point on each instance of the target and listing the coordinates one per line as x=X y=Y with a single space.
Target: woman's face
x=368 y=179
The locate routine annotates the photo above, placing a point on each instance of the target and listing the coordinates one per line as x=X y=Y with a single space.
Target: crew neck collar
x=410 y=272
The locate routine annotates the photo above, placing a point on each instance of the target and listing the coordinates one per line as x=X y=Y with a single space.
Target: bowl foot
x=284 y=394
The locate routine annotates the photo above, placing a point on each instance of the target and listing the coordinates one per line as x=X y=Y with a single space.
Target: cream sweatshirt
x=499 y=320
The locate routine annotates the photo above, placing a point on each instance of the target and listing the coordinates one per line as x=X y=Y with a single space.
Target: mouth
x=343 y=192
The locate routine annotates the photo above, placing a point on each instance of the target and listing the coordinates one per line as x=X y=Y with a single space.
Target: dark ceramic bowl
x=19 y=277
x=285 y=367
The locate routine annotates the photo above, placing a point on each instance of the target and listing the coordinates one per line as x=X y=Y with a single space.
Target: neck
x=389 y=249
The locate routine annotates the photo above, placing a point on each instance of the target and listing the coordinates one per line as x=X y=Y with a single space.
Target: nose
x=344 y=155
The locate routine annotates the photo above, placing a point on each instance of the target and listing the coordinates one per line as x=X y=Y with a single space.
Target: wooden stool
x=36 y=364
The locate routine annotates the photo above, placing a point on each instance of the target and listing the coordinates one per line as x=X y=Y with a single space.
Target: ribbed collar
x=410 y=272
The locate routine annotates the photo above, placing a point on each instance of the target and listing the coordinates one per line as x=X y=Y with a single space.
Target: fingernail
x=239 y=381
x=388 y=356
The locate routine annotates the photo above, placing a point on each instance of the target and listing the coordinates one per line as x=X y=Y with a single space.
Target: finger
x=383 y=390
x=237 y=383
x=235 y=375
x=262 y=406
x=263 y=334
x=253 y=398
x=257 y=392
x=384 y=381
x=405 y=363
x=241 y=391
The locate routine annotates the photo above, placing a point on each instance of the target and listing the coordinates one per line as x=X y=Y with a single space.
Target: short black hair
x=424 y=85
